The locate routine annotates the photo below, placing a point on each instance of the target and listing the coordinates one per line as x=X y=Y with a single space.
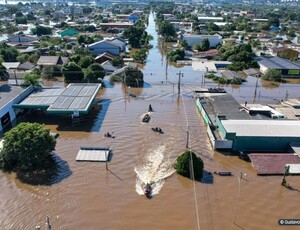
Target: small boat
x=157 y=130
x=148 y=190
x=146 y=118
x=109 y=135
x=223 y=173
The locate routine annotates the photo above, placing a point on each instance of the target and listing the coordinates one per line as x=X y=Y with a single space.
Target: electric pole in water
x=179 y=76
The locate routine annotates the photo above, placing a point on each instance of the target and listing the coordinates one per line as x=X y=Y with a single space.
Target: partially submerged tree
x=72 y=72
x=26 y=147
x=184 y=163
x=94 y=73
x=272 y=75
x=133 y=77
x=31 y=79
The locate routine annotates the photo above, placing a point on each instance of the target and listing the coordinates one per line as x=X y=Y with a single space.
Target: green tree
x=93 y=73
x=9 y=54
x=135 y=36
x=31 y=79
x=23 y=58
x=117 y=61
x=26 y=147
x=272 y=75
x=140 y=56
x=202 y=46
x=166 y=29
x=184 y=162
x=30 y=17
x=41 y=30
x=86 y=61
x=19 y=14
x=72 y=72
x=133 y=77
x=175 y=55
x=21 y=20
x=34 y=58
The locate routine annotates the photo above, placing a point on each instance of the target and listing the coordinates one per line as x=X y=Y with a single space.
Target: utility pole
x=166 y=73
x=179 y=76
x=187 y=137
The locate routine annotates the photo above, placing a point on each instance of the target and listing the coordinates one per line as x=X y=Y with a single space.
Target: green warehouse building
x=260 y=135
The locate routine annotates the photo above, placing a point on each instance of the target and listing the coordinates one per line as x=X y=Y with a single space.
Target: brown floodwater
x=87 y=196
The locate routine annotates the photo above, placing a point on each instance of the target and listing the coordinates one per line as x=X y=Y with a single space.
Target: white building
x=192 y=39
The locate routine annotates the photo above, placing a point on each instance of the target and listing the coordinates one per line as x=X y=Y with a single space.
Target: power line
x=191 y=167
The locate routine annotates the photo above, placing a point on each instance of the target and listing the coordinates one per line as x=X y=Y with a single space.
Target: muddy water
x=87 y=196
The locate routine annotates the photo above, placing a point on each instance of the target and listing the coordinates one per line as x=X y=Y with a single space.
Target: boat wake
x=154 y=169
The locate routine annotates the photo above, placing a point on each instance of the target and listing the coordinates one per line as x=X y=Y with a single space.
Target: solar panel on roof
x=79 y=103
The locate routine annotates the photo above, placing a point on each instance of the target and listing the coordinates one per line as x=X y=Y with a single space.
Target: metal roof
x=272 y=163
x=93 y=154
x=76 y=97
x=278 y=63
x=266 y=128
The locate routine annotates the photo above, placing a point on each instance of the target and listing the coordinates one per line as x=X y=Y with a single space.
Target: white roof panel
x=270 y=128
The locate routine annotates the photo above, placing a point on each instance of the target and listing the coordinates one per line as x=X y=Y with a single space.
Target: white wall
x=8 y=107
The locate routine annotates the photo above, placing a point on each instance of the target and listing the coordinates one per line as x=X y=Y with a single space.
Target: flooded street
x=87 y=196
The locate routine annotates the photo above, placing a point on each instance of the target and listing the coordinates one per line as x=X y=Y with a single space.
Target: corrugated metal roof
x=266 y=128
x=277 y=63
x=268 y=164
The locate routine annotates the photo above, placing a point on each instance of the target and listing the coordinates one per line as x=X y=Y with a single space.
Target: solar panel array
x=76 y=97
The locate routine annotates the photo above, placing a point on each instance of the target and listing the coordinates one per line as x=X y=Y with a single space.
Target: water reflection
x=56 y=171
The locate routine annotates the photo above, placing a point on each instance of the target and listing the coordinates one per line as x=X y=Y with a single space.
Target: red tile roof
x=272 y=163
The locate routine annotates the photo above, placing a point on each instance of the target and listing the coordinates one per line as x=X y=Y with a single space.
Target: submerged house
x=105 y=46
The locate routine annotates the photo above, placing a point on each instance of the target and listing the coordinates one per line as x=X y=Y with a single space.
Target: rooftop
x=270 y=128
x=268 y=164
x=74 y=98
x=8 y=93
x=277 y=63
x=225 y=105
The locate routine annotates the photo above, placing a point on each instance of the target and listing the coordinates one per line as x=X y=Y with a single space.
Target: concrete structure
x=104 y=46
x=192 y=39
x=10 y=95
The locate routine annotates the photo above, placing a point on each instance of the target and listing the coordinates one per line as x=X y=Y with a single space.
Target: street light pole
x=179 y=76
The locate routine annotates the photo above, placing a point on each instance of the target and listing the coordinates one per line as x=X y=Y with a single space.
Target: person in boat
x=108 y=134
x=159 y=130
x=150 y=108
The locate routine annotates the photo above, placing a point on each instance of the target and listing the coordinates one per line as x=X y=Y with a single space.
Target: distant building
x=286 y=67
x=49 y=61
x=68 y=32
x=205 y=19
x=120 y=42
x=20 y=39
x=104 y=46
x=191 y=39
x=104 y=57
x=123 y=25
